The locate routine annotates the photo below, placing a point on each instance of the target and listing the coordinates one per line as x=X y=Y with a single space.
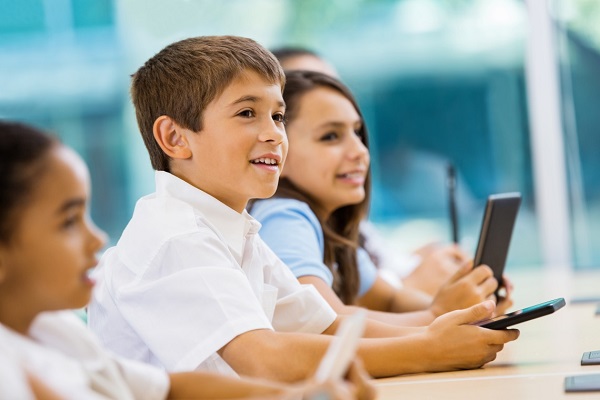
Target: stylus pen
x=451 y=183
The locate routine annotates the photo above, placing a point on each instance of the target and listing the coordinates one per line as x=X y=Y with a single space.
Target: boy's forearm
x=193 y=385
x=390 y=357
x=445 y=345
x=279 y=356
x=291 y=357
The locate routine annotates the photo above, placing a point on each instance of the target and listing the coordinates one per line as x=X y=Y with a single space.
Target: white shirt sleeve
x=203 y=301
x=299 y=308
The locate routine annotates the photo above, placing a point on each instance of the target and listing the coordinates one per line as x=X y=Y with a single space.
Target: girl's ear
x=171 y=138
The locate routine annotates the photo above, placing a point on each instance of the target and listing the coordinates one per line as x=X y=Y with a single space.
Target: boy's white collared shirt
x=188 y=275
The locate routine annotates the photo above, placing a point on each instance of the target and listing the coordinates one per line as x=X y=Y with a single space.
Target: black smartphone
x=516 y=317
x=496 y=230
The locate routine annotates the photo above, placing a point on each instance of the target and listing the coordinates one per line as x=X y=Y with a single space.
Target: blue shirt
x=293 y=232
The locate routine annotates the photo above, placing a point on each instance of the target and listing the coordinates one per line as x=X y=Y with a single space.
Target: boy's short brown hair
x=184 y=77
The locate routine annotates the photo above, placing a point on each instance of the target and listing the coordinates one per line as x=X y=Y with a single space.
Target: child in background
x=302 y=59
x=190 y=283
x=426 y=269
x=48 y=246
x=312 y=223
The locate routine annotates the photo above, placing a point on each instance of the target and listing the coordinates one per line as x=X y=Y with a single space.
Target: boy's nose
x=272 y=133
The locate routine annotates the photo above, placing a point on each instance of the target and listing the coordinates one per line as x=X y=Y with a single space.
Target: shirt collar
x=233 y=226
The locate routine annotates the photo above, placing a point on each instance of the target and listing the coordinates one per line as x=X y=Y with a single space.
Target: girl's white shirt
x=13 y=379
x=65 y=355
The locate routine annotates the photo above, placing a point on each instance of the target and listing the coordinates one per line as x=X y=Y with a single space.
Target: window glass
x=95 y=13
x=578 y=37
x=21 y=17
x=71 y=81
x=438 y=82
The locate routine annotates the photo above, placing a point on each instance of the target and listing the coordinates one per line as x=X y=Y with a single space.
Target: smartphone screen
x=496 y=231
x=525 y=314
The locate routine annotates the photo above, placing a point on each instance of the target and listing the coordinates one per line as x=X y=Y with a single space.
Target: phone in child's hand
x=525 y=314
x=342 y=348
x=496 y=230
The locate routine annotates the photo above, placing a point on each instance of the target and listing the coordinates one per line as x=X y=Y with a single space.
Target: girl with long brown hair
x=312 y=223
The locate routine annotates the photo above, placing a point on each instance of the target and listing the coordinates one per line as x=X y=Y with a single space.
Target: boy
x=190 y=284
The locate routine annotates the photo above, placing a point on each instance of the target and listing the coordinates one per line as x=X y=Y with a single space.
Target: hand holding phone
x=525 y=314
x=342 y=348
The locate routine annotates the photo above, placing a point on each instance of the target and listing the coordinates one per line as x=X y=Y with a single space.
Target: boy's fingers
x=478 y=312
x=507 y=335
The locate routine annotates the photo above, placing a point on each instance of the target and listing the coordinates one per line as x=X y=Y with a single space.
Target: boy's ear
x=171 y=138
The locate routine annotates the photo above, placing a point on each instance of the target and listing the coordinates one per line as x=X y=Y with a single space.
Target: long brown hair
x=341 y=229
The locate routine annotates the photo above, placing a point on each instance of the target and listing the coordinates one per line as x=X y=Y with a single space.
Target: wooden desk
x=534 y=366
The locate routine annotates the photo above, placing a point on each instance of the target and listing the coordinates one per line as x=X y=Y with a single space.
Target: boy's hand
x=453 y=343
x=468 y=286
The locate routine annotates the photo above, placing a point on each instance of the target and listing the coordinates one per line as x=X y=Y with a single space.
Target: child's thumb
x=478 y=312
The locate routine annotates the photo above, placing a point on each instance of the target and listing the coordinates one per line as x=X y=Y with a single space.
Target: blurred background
x=505 y=90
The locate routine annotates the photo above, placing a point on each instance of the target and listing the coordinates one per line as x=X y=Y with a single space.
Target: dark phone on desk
x=525 y=314
x=496 y=230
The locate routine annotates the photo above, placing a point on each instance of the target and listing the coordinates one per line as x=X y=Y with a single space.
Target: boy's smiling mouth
x=269 y=160
x=265 y=160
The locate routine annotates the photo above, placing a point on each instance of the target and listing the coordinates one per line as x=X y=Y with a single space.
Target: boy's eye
x=246 y=113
